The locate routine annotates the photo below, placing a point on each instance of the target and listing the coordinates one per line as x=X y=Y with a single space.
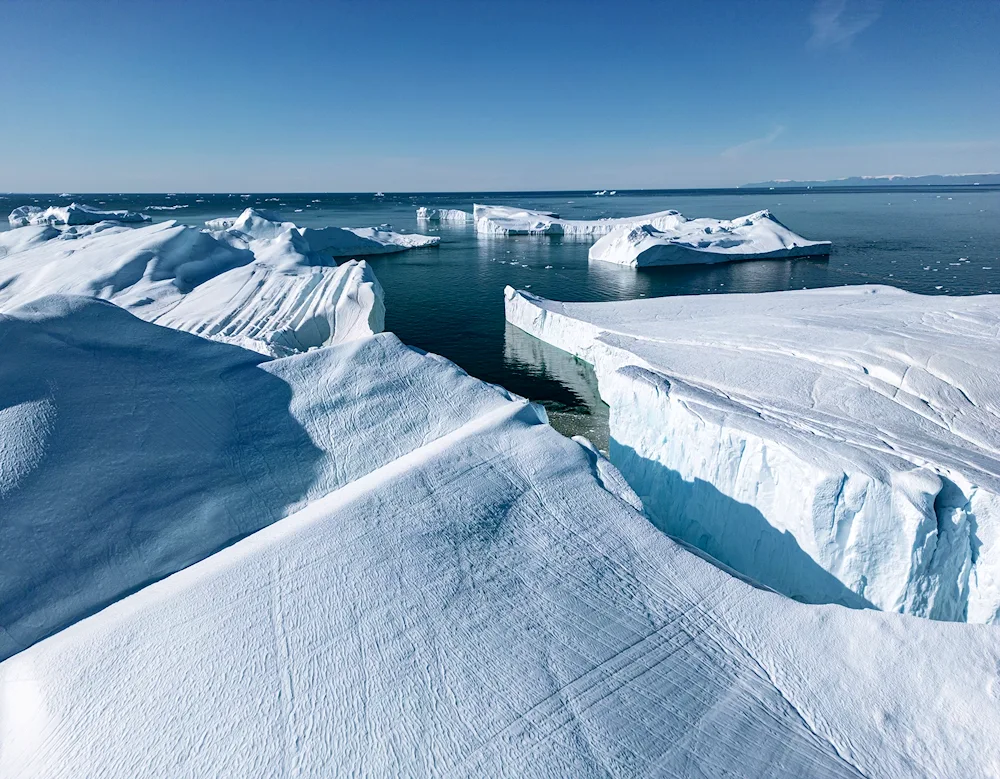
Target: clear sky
x=441 y=95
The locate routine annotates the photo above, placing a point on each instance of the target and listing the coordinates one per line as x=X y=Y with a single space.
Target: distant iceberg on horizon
x=894 y=180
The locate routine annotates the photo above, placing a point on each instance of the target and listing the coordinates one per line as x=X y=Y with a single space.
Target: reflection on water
x=588 y=415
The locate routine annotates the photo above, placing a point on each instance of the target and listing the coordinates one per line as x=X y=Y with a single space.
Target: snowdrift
x=757 y=236
x=260 y=283
x=132 y=450
x=73 y=214
x=458 y=591
x=837 y=445
x=448 y=215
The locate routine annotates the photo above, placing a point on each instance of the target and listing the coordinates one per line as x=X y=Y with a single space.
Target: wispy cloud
x=741 y=149
x=835 y=23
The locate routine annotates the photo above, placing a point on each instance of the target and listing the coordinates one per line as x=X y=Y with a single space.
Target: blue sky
x=351 y=96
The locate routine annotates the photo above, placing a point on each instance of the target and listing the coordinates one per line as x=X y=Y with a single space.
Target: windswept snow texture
x=331 y=241
x=507 y=220
x=837 y=445
x=131 y=450
x=758 y=236
x=73 y=214
x=443 y=215
x=457 y=595
x=269 y=286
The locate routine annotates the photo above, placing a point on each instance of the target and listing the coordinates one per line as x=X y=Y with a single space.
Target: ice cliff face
x=836 y=445
x=755 y=236
x=444 y=215
x=434 y=583
x=253 y=280
x=507 y=220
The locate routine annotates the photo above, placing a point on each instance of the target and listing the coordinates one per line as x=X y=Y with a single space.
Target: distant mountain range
x=965 y=179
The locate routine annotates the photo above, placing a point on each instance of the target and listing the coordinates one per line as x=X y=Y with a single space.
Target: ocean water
x=449 y=299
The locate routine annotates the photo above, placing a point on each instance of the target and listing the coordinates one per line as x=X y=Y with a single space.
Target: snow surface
x=755 y=236
x=837 y=445
x=457 y=593
x=451 y=215
x=73 y=214
x=262 y=284
x=507 y=220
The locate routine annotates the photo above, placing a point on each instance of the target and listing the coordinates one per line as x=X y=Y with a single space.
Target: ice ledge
x=855 y=492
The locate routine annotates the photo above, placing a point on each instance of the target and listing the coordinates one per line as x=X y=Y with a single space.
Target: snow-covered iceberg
x=73 y=214
x=331 y=241
x=262 y=284
x=757 y=236
x=443 y=585
x=508 y=220
x=837 y=445
x=446 y=215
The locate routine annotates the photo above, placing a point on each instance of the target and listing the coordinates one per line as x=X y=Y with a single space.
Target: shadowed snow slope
x=273 y=292
x=131 y=450
x=757 y=236
x=73 y=214
x=837 y=445
x=470 y=601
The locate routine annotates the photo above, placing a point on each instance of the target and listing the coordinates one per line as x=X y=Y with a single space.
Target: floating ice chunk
x=837 y=445
x=440 y=584
x=255 y=224
x=755 y=236
x=73 y=214
x=449 y=215
x=506 y=220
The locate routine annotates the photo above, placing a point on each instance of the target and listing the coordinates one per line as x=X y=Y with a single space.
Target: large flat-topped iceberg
x=757 y=236
x=444 y=215
x=837 y=445
x=73 y=214
x=458 y=593
x=271 y=288
x=507 y=220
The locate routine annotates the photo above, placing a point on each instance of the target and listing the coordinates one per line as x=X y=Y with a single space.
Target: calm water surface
x=449 y=300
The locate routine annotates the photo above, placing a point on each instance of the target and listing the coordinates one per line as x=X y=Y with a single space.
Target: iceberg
x=449 y=215
x=254 y=224
x=836 y=445
x=438 y=583
x=73 y=214
x=507 y=220
x=757 y=236
x=261 y=284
